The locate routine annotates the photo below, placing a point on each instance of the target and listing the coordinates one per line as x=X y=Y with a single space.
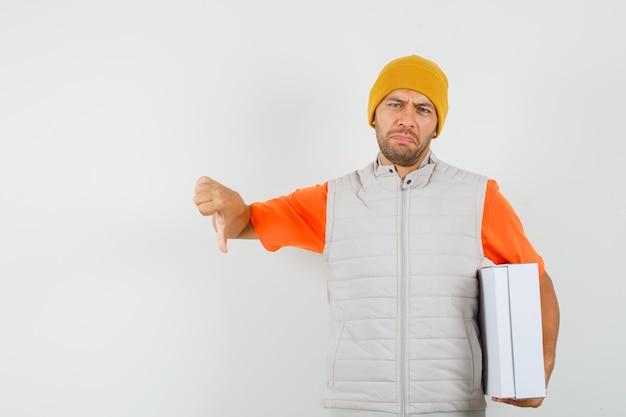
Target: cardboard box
x=511 y=331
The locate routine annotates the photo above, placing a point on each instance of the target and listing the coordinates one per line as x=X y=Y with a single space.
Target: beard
x=403 y=154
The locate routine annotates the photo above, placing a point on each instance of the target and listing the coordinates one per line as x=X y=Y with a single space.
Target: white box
x=511 y=331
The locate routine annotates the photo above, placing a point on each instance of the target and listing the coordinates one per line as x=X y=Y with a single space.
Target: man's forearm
x=248 y=231
x=550 y=317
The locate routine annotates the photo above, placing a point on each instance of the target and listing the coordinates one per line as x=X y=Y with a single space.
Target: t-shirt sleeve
x=297 y=219
x=504 y=240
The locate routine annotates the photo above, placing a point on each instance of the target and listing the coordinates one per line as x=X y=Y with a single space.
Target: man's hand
x=231 y=215
x=529 y=402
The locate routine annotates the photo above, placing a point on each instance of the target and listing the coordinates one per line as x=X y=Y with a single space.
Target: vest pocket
x=477 y=356
x=336 y=330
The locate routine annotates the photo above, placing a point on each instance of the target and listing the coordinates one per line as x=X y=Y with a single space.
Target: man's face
x=405 y=123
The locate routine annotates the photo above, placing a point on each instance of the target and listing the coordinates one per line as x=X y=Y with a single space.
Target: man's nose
x=406 y=118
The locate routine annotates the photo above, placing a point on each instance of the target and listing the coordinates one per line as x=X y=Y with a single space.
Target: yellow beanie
x=413 y=73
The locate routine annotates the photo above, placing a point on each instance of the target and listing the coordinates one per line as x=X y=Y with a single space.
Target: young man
x=403 y=239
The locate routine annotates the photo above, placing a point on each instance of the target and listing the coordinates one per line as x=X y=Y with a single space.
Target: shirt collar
x=380 y=168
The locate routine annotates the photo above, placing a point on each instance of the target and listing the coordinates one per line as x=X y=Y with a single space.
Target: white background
x=114 y=300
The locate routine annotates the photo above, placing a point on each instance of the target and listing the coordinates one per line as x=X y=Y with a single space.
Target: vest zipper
x=403 y=303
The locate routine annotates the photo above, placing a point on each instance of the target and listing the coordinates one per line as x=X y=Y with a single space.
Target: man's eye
x=423 y=109
x=394 y=105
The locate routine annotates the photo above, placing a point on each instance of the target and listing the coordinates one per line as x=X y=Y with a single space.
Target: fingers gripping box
x=511 y=332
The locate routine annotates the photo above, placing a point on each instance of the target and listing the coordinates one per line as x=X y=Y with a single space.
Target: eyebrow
x=419 y=104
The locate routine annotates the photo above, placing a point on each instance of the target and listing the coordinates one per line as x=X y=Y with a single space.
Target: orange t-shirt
x=299 y=219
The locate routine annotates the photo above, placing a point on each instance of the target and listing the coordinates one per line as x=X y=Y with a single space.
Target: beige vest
x=402 y=257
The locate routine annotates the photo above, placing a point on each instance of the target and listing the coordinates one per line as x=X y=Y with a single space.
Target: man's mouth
x=403 y=138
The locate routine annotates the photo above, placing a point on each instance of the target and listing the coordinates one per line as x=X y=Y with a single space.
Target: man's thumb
x=220 y=225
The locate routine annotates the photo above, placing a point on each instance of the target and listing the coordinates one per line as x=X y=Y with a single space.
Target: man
x=403 y=239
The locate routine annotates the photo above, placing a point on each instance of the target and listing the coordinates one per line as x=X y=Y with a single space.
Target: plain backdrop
x=114 y=300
